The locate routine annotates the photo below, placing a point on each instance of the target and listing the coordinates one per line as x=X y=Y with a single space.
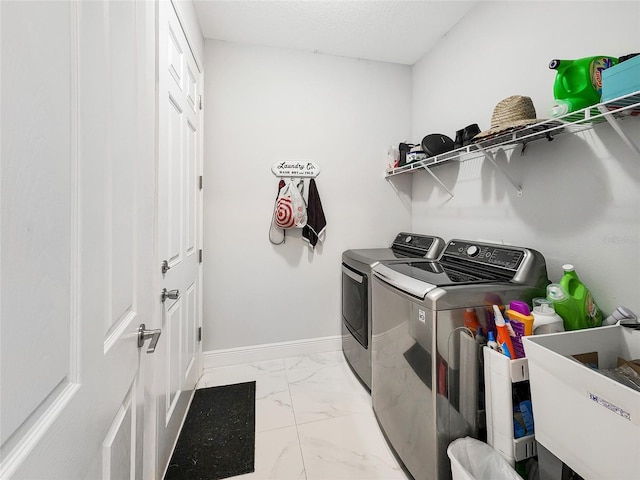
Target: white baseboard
x=270 y=351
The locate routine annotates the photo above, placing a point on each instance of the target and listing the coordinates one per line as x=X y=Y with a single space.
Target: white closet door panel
x=179 y=222
x=175 y=60
x=191 y=146
x=39 y=223
x=173 y=328
x=191 y=88
x=121 y=163
x=174 y=181
x=76 y=240
x=189 y=337
x=119 y=446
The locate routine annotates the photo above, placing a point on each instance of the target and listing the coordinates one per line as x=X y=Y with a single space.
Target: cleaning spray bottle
x=502 y=334
x=578 y=83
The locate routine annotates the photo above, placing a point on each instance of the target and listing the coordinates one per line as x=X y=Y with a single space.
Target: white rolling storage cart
x=500 y=375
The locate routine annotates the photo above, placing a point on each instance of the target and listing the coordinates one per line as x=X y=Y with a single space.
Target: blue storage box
x=621 y=79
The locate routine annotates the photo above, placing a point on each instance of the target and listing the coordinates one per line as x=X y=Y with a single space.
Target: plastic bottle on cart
x=588 y=310
x=573 y=301
x=545 y=318
x=502 y=334
x=563 y=306
x=491 y=342
x=519 y=311
x=578 y=83
x=471 y=320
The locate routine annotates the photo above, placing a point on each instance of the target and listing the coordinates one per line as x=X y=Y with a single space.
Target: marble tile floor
x=314 y=420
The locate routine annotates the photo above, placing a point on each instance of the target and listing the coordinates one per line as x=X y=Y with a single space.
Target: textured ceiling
x=383 y=30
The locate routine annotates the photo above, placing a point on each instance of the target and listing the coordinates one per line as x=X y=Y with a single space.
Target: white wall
x=581 y=201
x=264 y=105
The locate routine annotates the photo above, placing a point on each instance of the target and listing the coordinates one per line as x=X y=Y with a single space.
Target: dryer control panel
x=418 y=246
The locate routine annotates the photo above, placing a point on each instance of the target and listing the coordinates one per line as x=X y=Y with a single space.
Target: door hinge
x=199 y=334
x=200 y=182
x=200 y=256
x=200 y=102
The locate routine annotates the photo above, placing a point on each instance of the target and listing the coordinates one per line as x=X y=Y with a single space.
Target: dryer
x=356 y=293
x=426 y=376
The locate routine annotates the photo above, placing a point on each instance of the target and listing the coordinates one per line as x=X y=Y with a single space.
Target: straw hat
x=514 y=111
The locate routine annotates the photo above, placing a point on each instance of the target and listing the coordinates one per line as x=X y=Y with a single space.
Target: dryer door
x=355 y=309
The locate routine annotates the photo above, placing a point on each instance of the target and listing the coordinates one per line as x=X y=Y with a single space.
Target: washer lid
x=402 y=281
x=371 y=256
x=419 y=277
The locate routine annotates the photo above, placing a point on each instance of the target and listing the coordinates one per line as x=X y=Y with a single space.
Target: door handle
x=170 y=294
x=352 y=275
x=143 y=334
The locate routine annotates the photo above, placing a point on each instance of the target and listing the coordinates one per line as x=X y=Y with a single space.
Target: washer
x=356 y=293
x=426 y=377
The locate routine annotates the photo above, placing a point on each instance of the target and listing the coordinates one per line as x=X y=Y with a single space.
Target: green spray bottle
x=573 y=301
x=578 y=83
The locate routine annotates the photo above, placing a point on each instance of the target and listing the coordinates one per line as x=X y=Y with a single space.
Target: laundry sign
x=295 y=168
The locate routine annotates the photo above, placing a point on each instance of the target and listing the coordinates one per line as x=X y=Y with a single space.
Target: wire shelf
x=585 y=119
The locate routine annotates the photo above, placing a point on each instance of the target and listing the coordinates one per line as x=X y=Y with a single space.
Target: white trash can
x=472 y=459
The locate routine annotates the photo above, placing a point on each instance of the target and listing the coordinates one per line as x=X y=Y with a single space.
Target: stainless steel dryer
x=427 y=382
x=356 y=293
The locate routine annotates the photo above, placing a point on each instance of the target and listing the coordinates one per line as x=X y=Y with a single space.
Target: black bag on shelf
x=436 y=144
x=404 y=148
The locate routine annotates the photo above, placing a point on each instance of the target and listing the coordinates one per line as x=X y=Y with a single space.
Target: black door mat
x=218 y=436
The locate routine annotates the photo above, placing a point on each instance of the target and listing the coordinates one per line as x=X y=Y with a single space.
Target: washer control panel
x=490 y=255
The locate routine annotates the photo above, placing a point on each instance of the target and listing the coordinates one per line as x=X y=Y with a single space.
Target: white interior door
x=179 y=214
x=76 y=203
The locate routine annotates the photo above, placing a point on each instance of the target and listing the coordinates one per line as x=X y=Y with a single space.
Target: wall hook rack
x=295 y=169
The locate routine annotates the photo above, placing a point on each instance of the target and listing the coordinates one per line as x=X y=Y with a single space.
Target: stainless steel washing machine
x=356 y=293
x=426 y=376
